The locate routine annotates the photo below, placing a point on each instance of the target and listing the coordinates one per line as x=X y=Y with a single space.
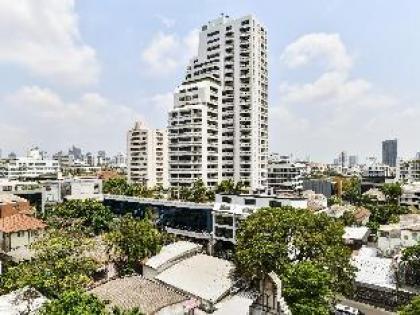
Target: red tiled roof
x=20 y=222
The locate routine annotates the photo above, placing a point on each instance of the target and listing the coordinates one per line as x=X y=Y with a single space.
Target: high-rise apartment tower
x=218 y=128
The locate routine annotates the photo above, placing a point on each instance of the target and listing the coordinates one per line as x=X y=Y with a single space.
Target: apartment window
x=275 y=204
x=226 y=199
x=250 y=201
x=20 y=233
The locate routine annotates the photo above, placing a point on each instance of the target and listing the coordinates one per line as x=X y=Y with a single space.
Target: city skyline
x=321 y=101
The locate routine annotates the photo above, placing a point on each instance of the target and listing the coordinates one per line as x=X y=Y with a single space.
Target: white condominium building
x=218 y=126
x=147 y=156
x=32 y=166
x=283 y=174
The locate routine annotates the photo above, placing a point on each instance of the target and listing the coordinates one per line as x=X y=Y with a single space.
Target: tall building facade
x=390 y=152
x=218 y=128
x=147 y=156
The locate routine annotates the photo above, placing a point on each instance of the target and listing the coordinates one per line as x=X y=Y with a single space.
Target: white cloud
x=335 y=111
x=168 y=22
x=315 y=47
x=163 y=101
x=43 y=36
x=168 y=52
x=91 y=121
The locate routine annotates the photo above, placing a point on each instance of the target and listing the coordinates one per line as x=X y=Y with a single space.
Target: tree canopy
x=413 y=308
x=120 y=186
x=78 y=302
x=74 y=303
x=60 y=263
x=392 y=192
x=133 y=240
x=279 y=239
x=90 y=214
x=307 y=288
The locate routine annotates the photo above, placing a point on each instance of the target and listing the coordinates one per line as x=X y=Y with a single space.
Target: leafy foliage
x=307 y=288
x=61 y=263
x=90 y=214
x=275 y=239
x=228 y=186
x=413 y=308
x=197 y=193
x=411 y=258
x=392 y=192
x=384 y=214
x=352 y=189
x=120 y=186
x=133 y=240
x=78 y=302
x=74 y=303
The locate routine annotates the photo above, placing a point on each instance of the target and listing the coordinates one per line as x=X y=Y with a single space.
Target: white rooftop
x=202 y=276
x=171 y=252
x=237 y=304
x=374 y=271
x=355 y=232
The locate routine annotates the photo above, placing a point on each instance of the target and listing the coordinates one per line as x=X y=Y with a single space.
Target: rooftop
x=374 y=271
x=136 y=291
x=172 y=252
x=355 y=232
x=10 y=198
x=202 y=276
x=20 y=222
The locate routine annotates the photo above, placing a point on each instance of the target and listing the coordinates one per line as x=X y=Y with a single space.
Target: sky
x=343 y=75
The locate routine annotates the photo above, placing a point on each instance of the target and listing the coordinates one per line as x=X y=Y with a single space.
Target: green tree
x=74 y=303
x=92 y=215
x=348 y=218
x=185 y=194
x=226 y=186
x=411 y=259
x=334 y=200
x=307 y=289
x=392 y=192
x=384 y=214
x=274 y=239
x=199 y=191
x=134 y=240
x=413 y=308
x=352 y=190
x=60 y=263
x=117 y=186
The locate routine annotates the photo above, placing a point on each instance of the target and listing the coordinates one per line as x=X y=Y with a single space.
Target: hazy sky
x=344 y=75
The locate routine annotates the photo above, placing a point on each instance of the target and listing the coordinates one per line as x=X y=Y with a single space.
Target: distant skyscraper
x=218 y=128
x=343 y=159
x=76 y=153
x=418 y=156
x=390 y=152
x=353 y=160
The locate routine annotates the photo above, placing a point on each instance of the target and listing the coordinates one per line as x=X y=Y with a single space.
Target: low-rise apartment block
x=393 y=237
x=411 y=195
x=284 y=175
x=408 y=171
x=230 y=210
